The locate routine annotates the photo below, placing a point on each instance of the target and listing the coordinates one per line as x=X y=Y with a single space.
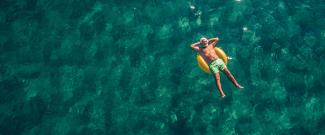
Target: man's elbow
x=215 y=39
x=192 y=47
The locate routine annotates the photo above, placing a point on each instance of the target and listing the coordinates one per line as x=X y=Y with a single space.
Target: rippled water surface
x=121 y=67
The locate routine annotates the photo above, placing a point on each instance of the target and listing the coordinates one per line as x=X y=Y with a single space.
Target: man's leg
x=232 y=78
x=217 y=78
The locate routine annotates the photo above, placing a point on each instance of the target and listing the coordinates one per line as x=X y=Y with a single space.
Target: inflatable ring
x=204 y=66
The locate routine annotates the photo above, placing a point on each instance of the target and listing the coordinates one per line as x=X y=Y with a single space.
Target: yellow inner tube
x=204 y=66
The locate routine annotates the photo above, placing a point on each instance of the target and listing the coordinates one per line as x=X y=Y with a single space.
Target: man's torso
x=208 y=54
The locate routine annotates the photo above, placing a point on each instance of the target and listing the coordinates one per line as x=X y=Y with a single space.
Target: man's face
x=204 y=41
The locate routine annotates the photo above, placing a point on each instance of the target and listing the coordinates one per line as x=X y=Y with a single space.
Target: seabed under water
x=121 y=67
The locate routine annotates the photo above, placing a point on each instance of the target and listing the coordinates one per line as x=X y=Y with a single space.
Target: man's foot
x=239 y=86
x=222 y=96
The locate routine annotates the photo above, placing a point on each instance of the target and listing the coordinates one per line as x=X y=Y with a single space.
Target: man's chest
x=207 y=50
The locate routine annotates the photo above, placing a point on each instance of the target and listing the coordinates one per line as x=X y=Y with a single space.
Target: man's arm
x=213 y=41
x=195 y=46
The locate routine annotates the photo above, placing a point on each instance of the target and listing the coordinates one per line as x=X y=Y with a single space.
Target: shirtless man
x=207 y=52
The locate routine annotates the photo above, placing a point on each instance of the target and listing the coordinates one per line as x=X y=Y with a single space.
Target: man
x=207 y=52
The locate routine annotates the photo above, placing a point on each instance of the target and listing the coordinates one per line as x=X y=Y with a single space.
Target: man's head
x=204 y=41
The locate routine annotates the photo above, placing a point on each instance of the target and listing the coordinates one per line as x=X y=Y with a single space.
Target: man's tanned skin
x=205 y=48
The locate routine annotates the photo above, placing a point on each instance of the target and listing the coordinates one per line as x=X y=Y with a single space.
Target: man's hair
x=202 y=39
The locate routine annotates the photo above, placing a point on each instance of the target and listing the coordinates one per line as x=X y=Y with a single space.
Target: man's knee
x=225 y=70
x=217 y=76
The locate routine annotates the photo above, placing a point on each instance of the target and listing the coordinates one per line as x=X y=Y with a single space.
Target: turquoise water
x=118 y=67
